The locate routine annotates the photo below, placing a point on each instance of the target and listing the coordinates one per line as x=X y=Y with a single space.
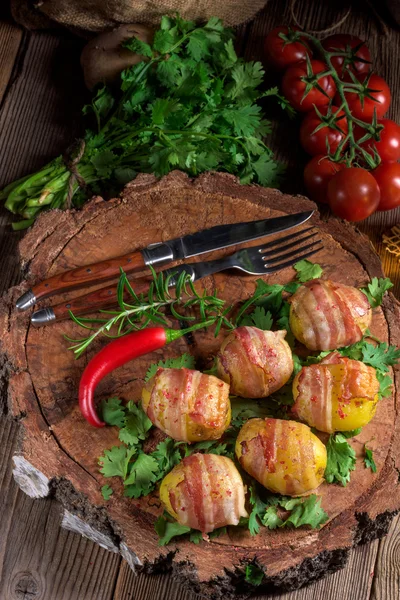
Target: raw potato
x=204 y=491
x=325 y=315
x=337 y=394
x=254 y=362
x=284 y=456
x=103 y=58
x=187 y=405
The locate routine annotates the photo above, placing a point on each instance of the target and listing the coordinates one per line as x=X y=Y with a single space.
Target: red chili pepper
x=116 y=354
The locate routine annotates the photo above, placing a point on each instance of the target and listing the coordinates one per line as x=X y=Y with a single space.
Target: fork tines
x=275 y=253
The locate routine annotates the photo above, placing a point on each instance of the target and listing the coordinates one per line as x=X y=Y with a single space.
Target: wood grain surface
x=42 y=94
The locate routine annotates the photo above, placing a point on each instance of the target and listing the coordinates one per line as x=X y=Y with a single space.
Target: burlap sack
x=99 y=15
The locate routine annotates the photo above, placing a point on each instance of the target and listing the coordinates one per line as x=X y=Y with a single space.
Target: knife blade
x=159 y=254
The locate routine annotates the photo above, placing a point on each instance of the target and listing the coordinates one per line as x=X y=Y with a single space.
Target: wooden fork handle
x=89 y=275
x=94 y=301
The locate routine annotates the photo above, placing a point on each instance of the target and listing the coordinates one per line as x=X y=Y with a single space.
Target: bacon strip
x=254 y=362
x=183 y=402
x=334 y=382
x=211 y=494
x=329 y=313
x=280 y=455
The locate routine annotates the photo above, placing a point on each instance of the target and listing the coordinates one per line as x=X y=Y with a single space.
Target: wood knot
x=24 y=586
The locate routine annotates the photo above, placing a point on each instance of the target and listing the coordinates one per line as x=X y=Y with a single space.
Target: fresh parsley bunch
x=191 y=104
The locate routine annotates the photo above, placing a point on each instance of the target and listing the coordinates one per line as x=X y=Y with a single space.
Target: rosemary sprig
x=138 y=311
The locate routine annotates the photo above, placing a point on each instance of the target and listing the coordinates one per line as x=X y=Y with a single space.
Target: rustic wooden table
x=41 y=93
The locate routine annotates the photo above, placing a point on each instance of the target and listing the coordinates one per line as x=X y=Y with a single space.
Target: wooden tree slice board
x=59 y=450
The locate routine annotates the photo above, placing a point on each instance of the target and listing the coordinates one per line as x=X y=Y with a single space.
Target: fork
x=261 y=260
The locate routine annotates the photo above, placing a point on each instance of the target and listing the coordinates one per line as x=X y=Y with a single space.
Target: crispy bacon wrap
x=255 y=363
x=204 y=491
x=284 y=456
x=325 y=315
x=337 y=394
x=187 y=405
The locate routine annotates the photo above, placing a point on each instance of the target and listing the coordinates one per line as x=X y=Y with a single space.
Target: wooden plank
x=10 y=40
x=46 y=562
x=149 y=587
x=386 y=583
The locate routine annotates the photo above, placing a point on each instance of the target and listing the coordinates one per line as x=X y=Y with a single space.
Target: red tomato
x=388 y=147
x=353 y=194
x=387 y=176
x=282 y=53
x=348 y=61
x=294 y=83
x=315 y=143
x=380 y=102
x=317 y=174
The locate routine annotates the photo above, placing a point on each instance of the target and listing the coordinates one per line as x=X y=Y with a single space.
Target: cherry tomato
x=353 y=194
x=348 y=61
x=315 y=143
x=380 y=102
x=317 y=174
x=294 y=83
x=282 y=53
x=388 y=147
x=387 y=176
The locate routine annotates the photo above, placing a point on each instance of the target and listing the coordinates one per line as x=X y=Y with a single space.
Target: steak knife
x=159 y=254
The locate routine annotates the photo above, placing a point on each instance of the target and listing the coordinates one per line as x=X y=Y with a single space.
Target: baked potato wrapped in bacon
x=325 y=315
x=187 y=405
x=337 y=394
x=284 y=456
x=254 y=362
x=204 y=491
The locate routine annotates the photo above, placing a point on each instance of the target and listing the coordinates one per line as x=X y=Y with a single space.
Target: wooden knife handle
x=89 y=275
x=94 y=301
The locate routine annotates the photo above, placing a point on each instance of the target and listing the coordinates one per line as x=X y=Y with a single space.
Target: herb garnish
x=191 y=104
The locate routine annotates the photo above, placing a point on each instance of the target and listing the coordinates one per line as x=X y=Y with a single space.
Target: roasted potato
x=255 y=363
x=187 y=405
x=204 y=491
x=284 y=456
x=325 y=315
x=337 y=394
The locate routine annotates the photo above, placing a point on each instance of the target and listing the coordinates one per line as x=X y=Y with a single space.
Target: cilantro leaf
x=257 y=512
x=307 y=270
x=106 y=492
x=369 y=459
x=167 y=530
x=141 y=476
x=167 y=455
x=195 y=536
x=135 y=426
x=271 y=519
x=186 y=361
x=341 y=460
x=306 y=511
x=138 y=47
x=258 y=318
x=113 y=412
x=282 y=101
x=115 y=461
x=381 y=356
x=244 y=119
x=254 y=574
x=376 y=289
x=385 y=385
